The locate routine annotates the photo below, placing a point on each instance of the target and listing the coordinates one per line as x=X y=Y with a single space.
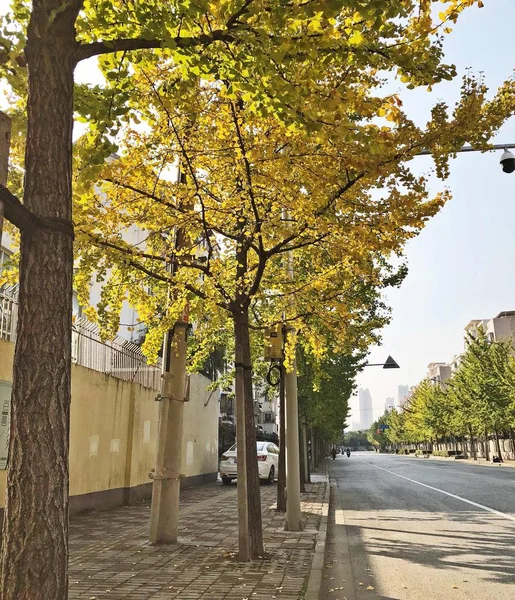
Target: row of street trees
x=289 y=144
x=477 y=402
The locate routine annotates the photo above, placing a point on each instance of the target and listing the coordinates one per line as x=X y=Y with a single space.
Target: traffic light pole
x=293 y=514
x=5 y=144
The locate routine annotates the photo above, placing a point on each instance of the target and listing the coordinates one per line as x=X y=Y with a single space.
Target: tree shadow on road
x=492 y=553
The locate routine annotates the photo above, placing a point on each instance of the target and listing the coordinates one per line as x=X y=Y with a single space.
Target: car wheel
x=271 y=476
x=226 y=480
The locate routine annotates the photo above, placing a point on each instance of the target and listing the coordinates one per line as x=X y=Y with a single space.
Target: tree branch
x=85 y=51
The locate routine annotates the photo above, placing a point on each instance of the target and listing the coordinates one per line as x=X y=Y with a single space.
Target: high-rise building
x=389 y=404
x=366 y=413
x=402 y=394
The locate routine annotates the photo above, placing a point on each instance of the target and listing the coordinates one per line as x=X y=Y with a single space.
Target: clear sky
x=462 y=266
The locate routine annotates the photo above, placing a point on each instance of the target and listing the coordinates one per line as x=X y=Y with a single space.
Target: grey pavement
x=111 y=559
x=406 y=529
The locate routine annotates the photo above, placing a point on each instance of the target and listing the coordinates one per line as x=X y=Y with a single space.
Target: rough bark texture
x=498 y=446
x=473 y=444
x=242 y=339
x=35 y=547
x=487 y=445
x=281 y=476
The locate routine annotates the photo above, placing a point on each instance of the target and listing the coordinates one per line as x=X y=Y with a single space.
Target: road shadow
x=386 y=519
x=490 y=554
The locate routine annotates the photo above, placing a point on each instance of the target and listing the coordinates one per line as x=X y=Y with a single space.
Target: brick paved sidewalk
x=111 y=559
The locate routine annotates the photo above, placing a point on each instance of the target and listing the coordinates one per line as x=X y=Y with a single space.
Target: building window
x=5 y=255
x=269 y=417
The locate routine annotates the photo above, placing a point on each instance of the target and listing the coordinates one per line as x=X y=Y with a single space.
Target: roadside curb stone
x=480 y=462
x=317 y=565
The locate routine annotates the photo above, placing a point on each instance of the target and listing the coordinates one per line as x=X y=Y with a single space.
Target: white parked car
x=268 y=463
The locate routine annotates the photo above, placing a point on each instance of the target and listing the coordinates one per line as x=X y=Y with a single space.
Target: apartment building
x=499 y=329
x=439 y=371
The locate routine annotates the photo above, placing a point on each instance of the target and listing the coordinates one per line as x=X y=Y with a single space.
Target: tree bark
x=498 y=445
x=487 y=444
x=34 y=560
x=244 y=362
x=281 y=478
x=473 y=443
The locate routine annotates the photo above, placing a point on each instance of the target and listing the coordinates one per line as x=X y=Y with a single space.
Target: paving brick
x=110 y=557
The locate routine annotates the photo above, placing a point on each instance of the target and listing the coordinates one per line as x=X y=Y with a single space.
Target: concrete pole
x=5 y=144
x=241 y=456
x=293 y=516
x=305 y=455
x=164 y=515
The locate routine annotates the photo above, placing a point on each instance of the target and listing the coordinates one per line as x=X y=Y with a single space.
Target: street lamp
x=507 y=158
x=389 y=363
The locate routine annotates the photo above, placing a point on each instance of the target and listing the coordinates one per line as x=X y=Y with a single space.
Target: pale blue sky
x=462 y=266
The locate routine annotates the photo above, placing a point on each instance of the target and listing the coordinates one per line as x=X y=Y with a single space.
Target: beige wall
x=114 y=426
x=200 y=434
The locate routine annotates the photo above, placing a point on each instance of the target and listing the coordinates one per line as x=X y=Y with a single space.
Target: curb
x=315 y=574
x=480 y=462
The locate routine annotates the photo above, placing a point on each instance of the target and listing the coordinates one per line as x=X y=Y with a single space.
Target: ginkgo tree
x=276 y=54
x=337 y=195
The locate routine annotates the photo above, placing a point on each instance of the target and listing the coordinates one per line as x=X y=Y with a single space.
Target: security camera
x=508 y=161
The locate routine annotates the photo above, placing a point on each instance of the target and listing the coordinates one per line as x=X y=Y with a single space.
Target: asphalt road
x=416 y=529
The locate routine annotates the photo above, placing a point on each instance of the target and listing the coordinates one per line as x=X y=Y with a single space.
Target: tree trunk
x=498 y=445
x=512 y=437
x=35 y=533
x=244 y=362
x=473 y=444
x=281 y=476
x=487 y=444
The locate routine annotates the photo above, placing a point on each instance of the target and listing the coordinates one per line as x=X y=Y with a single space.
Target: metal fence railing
x=8 y=313
x=118 y=357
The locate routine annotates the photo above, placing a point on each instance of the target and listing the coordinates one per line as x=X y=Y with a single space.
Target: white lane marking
x=430 y=487
x=339 y=519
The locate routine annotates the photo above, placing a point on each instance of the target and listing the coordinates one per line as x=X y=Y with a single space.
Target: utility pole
x=241 y=457
x=293 y=516
x=164 y=516
x=305 y=456
x=5 y=143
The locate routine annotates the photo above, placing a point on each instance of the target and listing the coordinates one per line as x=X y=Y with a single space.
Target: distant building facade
x=499 y=329
x=439 y=371
x=402 y=394
x=389 y=404
x=366 y=412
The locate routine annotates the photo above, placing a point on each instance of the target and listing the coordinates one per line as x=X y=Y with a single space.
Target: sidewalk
x=467 y=461
x=110 y=557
